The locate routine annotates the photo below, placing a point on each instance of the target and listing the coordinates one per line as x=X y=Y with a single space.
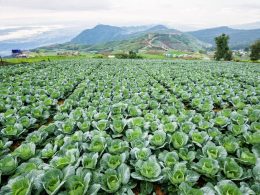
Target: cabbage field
x=130 y=127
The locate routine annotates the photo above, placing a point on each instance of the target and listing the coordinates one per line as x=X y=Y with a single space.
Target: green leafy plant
x=148 y=170
x=53 y=180
x=227 y=187
x=25 y=151
x=113 y=180
x=231 y=169
x=207 y=166
x=179 y=139
x=8 y=165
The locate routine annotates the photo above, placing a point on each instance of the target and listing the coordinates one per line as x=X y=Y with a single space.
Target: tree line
x=223 y=51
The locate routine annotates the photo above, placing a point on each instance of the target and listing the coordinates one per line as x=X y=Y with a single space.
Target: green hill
x=104 y=38
x=99 y=34
x=239 y=39
x=153 y=41
x=106 y=33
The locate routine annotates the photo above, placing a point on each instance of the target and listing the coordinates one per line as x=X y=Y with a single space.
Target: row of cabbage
x=30 y=98
x=132 y=124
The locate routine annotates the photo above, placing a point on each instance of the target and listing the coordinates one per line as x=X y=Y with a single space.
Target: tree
x=121 y=56
x=132 y=55
x=246 y=49
x=255 y=51
x=222 y=50
x=2 y=63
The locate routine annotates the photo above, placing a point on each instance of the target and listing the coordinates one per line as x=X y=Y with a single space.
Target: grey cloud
x=66 y=5
x=202 y=13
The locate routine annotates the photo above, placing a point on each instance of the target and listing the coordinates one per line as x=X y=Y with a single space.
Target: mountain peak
x=99 y=34
x=159 y=27
x=223 y=28
x=104 y=26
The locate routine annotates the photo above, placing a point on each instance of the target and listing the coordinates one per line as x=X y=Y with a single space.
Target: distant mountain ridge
x=143 y=38
x=158 y=37
x=239 y=38
x=106 y=33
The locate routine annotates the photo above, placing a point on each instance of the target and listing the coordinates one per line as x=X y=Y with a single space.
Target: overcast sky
x=87 y=13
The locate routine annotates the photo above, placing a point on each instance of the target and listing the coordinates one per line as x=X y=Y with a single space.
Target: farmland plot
x=130 y=127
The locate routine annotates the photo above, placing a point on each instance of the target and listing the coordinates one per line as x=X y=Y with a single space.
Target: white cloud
x=87 y=13
x=23 y=33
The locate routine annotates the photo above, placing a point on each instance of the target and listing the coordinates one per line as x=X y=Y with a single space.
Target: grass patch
x=176 y=52
x=8 y=61
x=152 y=56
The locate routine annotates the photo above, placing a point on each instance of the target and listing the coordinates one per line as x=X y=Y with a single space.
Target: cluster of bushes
x=130 y=55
